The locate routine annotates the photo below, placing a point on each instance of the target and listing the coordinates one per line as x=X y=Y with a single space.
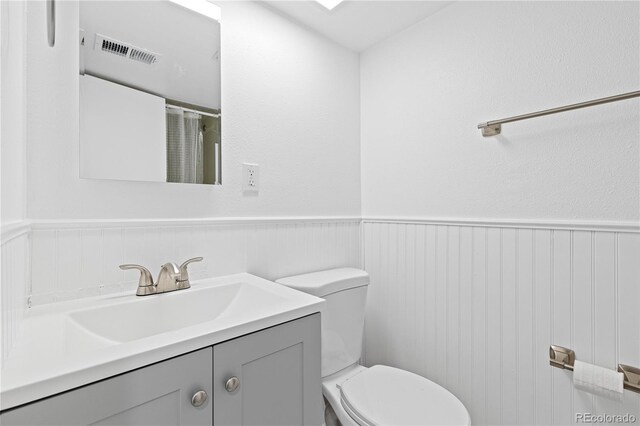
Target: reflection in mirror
x=150 y=91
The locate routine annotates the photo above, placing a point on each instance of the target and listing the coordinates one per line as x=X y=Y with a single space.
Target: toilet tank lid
x=323 y=283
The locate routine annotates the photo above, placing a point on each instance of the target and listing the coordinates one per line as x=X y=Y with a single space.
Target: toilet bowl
x=379 y=395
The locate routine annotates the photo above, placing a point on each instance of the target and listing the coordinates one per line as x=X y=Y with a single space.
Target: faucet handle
x=146 y=280
x=184 y=273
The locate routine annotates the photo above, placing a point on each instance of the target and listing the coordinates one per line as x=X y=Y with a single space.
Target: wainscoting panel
x=14 y=253
x=475 y=308
x=74 y=260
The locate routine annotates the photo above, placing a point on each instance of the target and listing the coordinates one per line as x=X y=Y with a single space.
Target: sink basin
x=69 y=344
x=151 y=315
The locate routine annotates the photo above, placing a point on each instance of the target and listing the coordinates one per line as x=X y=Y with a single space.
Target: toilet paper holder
x=631 y=377
x=564 y=358
x=561 y=357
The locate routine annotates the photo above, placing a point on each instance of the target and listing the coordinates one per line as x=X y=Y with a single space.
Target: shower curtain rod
x=494 y=127
x=193 y=110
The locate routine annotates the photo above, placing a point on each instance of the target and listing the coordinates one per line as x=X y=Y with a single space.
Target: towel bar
x=494 y=127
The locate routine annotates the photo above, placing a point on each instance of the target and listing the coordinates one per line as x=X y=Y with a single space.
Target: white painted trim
x=15 y=229
x=600 y=226
x=12 y=230
x=154 y=223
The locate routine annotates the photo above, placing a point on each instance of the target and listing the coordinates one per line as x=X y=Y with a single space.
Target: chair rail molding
x=12 y=230
x=568 y=225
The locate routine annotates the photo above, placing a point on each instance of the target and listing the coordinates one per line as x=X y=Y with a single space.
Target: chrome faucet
x=170 y=278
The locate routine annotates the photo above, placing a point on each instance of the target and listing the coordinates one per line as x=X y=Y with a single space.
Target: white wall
x=425 y=90
x=13 y=112
x=290 y=103
x=14 y=238
x=474 y=304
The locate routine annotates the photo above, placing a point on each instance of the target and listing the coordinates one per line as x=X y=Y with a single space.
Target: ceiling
x=358 y=24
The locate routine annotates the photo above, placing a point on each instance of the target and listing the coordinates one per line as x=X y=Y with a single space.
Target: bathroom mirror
x=150 y=91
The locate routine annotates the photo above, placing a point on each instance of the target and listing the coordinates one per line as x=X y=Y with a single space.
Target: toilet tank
x=345 y=290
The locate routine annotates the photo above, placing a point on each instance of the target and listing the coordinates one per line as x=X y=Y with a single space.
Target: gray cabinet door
x=159 y=394
x=279 y=374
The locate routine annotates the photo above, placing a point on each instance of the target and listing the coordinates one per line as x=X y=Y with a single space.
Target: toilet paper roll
x=598 y=380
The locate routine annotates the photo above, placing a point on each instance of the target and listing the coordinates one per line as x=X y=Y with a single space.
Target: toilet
x=378 y=395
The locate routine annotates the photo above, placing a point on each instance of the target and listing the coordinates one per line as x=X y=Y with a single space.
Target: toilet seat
x=383 y=395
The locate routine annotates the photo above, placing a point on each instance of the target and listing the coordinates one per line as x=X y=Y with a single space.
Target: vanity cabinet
x=277 y=371
x=270 y=377
x=159 y=394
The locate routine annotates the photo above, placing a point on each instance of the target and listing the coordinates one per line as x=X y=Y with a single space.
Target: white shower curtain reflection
x=184 y=146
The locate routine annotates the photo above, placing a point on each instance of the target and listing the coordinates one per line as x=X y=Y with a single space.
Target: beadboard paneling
x=79 y=260
x=14 y=253
x=475 y=309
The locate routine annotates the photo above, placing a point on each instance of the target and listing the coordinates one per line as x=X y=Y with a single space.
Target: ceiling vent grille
x=125 y=50
x=143 y=56
x=114 y=47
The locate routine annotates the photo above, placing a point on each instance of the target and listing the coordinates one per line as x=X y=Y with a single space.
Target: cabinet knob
x=232 y=384
x=199 y=398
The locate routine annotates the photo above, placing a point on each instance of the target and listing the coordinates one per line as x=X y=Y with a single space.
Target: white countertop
x=51 y=356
